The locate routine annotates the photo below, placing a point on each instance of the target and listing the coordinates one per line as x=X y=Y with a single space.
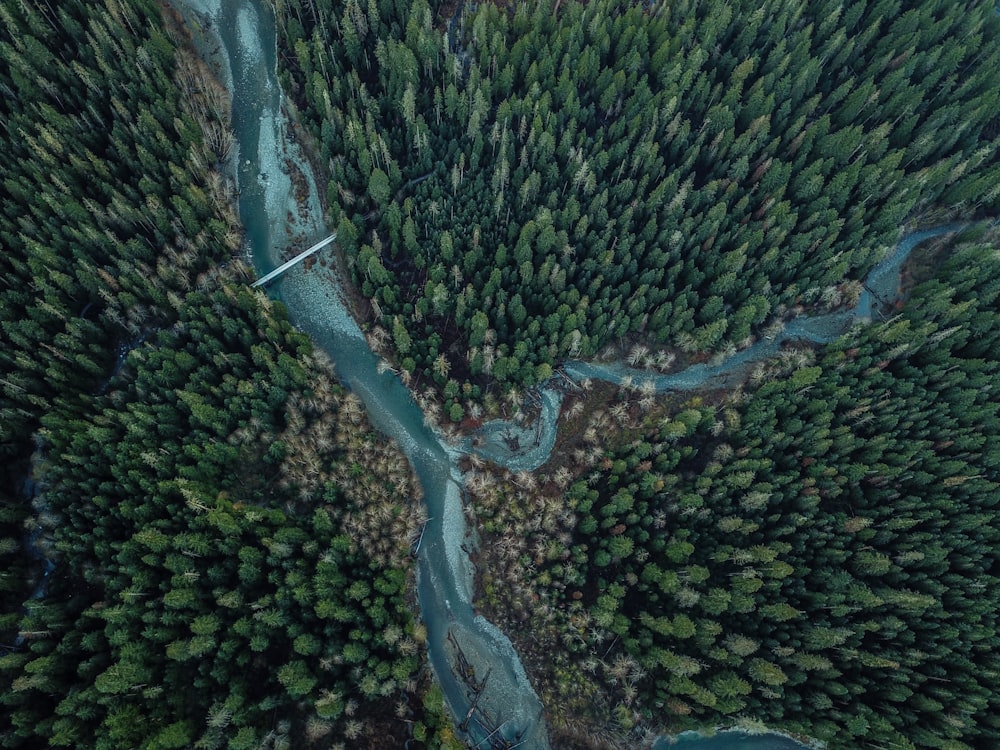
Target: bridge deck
x=288 y=264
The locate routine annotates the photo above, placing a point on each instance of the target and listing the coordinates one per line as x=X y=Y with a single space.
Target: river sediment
x=275 y=209
x=280 y=205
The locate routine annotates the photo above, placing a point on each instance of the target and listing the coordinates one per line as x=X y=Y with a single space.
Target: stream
x=267 y=202
x=274 y=219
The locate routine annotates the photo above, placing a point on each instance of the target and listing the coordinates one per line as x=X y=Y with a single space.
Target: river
x=267 y=200
x=274 y=219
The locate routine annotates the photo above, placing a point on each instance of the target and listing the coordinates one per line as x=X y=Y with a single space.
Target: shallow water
x=882 y=283
x=881 y=288
x=315 y=304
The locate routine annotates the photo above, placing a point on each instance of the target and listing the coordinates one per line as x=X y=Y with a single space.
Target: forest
x=229 y=541
x=817 y=550
x=518 y=183
x=203 y=541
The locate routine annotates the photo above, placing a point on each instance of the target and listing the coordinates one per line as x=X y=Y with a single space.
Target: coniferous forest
x=517 y=183
x=819 y=551
x=230 y=539
x=204 y=543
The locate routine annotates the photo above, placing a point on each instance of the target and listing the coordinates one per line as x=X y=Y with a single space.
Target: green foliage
x=110 y=206
x=198 y=569
x=17 y=573
x=825 y=558
x=436 y=731
x=227 y=528
x=536 y=181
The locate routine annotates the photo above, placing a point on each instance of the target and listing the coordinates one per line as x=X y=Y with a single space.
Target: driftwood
x=467 y=674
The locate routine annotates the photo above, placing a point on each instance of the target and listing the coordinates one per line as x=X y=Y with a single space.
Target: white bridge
x=301 y=256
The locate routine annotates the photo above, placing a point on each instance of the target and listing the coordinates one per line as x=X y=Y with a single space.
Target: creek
x=271 y=173
x=280 y=207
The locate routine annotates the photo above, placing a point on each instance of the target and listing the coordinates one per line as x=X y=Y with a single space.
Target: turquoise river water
x=274 y=218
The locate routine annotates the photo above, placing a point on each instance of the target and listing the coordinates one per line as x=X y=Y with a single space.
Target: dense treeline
x=525 y=182
x=237 y=540
x=111 y=208
x=231 y=539
x=17 y=570
x=821 y=554
x=91 y=243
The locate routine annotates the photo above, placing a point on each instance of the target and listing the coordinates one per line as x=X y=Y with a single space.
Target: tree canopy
x=520 y=183
x=229 y=538
x=819 y=553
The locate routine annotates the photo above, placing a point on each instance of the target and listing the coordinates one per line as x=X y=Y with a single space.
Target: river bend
x=246 y=63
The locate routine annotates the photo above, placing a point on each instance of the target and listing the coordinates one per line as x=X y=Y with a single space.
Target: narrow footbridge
x=301 y=256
